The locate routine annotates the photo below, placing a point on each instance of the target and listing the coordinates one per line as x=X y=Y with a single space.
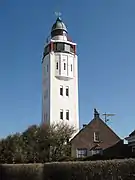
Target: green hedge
x=21 y=172
x=92 y=170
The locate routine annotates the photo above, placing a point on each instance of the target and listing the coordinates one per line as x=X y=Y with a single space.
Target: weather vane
x=58 y=14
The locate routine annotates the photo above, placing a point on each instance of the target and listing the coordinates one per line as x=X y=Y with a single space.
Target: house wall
x=85 y=138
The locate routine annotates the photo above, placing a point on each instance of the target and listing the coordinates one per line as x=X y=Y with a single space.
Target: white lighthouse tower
x=60 y=78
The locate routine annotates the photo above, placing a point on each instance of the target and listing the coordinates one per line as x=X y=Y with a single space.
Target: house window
x=71 y=67
x=64 y=66
x=97 y=151
x=57 y=65
x=67 y=114
x=61 y=90
x=81 y=153
x=61 y=114
x=96 y=136
x=67 y=91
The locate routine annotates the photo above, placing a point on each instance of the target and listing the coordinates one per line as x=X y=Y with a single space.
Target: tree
x=8 y=147
x=60 y=134
x=38 y=144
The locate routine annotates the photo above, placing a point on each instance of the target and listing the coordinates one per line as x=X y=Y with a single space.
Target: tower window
x=46 y=50
x=67 y=91
x=61 y=114
x=59 y=46
x=57 y=65
x=54 y=46
x=61 y=90
x=71 y=67
x=47 y=68
x=67 y=48
x=67 y=114
x=72 y=48
x=96 y=136
x=64 y=66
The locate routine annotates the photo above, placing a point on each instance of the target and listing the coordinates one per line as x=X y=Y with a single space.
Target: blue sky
x=105 y=34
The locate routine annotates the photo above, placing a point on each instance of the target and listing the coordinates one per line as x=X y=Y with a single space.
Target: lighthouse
x=60 y=78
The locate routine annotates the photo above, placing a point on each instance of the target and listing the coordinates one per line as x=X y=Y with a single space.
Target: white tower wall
x=60 y=71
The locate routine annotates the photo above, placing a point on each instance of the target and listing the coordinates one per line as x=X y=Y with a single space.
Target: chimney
x=96 y=114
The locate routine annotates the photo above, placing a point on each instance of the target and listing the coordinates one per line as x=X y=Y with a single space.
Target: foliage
x=93 y=170
x=38 y=144
x=60 y=134
x=22 y=171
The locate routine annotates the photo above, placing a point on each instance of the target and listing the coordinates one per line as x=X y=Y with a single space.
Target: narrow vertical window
x=57 y=65
x=64 y=66
x=96 y=136
x=67 y=114
x=61 y=114
x=67 y=91
x=71 y=67
x=47 y=68
x=61 y=90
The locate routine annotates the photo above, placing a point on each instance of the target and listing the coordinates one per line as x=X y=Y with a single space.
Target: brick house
x=96 y=138
x=131 y=141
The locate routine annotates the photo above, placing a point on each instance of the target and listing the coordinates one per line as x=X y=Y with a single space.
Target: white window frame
x=81 y=152
x=95 y=137
x=97 y=151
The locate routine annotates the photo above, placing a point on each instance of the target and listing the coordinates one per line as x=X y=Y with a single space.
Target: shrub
x=88 y=170
x=94 y=170
x=21 y=172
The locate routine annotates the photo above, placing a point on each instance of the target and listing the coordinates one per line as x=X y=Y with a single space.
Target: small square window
x=61 y=90
x=67 y=114
x=61 y=114
x=67 y=91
